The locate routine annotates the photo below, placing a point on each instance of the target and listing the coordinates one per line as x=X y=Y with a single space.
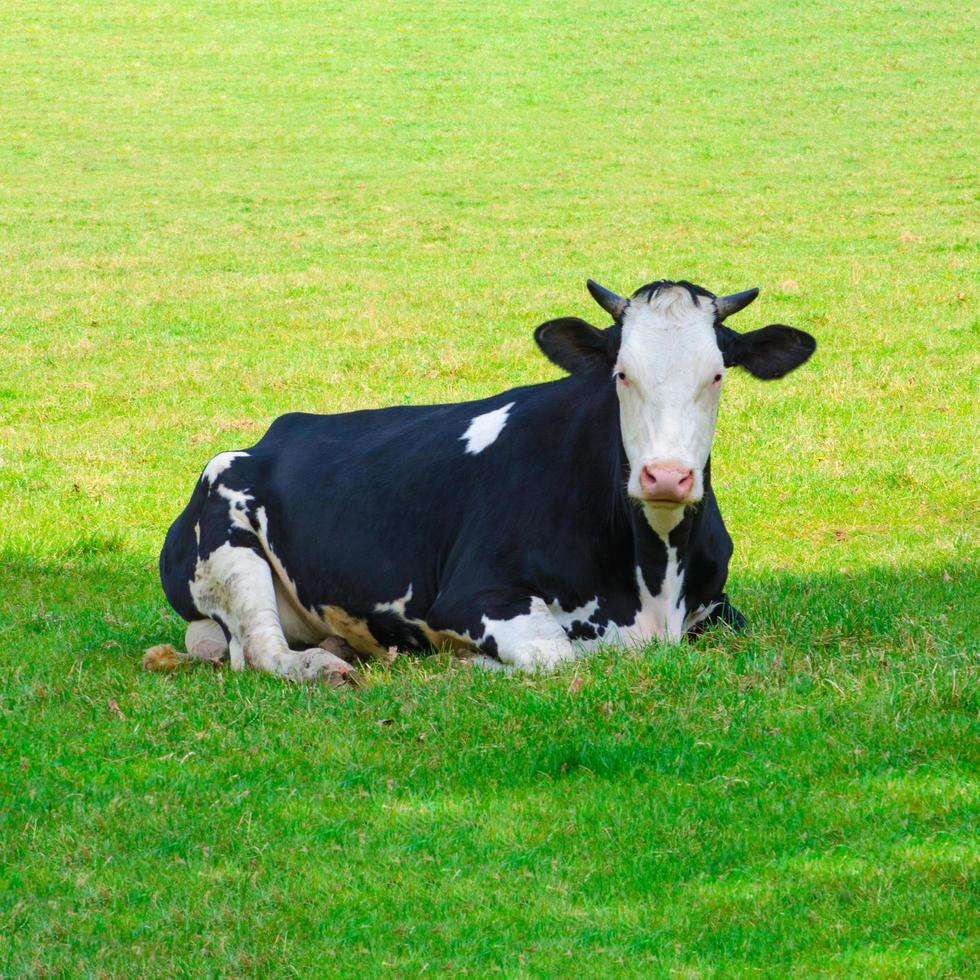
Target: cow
x=522 y=530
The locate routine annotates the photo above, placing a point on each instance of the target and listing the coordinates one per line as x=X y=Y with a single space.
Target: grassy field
x=213 y=213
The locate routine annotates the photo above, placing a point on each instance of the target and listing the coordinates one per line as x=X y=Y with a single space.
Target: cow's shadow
x=73 y=630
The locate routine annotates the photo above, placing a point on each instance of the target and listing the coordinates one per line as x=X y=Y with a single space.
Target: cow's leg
x=528 y=641
x=722 y=611
x=235 y=585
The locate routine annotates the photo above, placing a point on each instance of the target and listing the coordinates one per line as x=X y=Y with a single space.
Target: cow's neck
x=662 y=539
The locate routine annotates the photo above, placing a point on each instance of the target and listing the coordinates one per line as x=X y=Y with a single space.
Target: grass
x=214 y=213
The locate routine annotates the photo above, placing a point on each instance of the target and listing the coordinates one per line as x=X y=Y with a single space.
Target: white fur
x=659 y=617
x=219 y=464
x=662 y=615
x=396 y=606
x=238 y=501
x=663 y=519
x=567 y=620
x=484 y=429
x=668 y=405
x=537 y=640
x=532 y=641
x=236 y=584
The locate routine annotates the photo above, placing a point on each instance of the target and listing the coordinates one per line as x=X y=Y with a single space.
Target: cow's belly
x=660 y=617
x=310 y=626
x=376 y=628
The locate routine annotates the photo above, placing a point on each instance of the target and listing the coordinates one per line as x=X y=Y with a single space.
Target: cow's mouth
x=668 y=504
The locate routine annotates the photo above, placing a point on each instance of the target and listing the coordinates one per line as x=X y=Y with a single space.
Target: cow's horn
x=727 y=305
x=610 y=302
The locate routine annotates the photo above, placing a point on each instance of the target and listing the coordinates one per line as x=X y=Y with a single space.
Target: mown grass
x=214 y=213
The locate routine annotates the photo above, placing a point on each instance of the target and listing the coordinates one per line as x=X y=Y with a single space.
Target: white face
x=668 y=377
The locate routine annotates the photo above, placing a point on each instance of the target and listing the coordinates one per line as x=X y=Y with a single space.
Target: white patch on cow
x=263 y=521
x=660 y=616
x=238 y=501
x=668 y=404
x=537 y=640
x=532 y=641
x=397 y=606
x=662 y=519
x=667 y=609
x=234 y=583
x=484 y=429
x=581 y=615
x=219 y=464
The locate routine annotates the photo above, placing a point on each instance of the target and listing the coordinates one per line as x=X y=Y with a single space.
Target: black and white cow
x=522 y=529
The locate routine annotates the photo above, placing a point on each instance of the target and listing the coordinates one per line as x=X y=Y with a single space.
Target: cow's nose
x=667 y=481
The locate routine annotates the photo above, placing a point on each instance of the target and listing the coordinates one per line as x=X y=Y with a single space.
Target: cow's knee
x=529 y=642
x=538 y=655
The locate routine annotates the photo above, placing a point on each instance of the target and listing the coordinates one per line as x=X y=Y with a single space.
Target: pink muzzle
x=669 y=482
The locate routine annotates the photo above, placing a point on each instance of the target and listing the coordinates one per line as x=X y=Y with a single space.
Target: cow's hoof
x=318 y=666
x=724 y=613
x=730 y=616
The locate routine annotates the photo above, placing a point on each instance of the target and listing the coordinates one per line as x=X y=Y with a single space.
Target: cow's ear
x=575 y=345
x=770 y=352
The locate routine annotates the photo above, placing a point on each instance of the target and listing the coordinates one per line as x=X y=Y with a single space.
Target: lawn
x=214 y=213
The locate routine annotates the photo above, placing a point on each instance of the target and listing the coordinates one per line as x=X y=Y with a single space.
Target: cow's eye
x=621 y=376
x=717 y=378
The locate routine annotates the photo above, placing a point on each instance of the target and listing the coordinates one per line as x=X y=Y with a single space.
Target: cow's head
x=667 y=355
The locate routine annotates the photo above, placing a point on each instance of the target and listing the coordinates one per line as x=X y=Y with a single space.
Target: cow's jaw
x=668 y=402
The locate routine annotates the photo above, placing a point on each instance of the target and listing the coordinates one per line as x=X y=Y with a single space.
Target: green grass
x=213 y=213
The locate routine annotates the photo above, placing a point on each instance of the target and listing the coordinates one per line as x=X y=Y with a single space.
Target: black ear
x=575 y=345
x=770 y=352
